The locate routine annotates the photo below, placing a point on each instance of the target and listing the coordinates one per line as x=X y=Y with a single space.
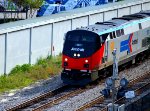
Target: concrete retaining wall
x=25 y=41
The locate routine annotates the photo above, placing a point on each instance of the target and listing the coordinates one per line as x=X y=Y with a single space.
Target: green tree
x=33 y=5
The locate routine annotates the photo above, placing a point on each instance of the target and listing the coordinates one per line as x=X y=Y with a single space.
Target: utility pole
x=114 y=77
x=110 y=85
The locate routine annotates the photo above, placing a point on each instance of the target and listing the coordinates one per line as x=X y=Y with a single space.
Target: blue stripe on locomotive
x=124 y=48
x=125 y=45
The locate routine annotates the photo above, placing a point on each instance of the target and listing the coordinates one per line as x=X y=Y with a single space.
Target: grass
x=26 y=74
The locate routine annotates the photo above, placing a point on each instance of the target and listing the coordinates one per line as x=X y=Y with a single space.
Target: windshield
x=81 y=36
x=81 y=41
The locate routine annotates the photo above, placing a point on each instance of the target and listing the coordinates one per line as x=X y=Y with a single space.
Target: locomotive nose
x=76 y=63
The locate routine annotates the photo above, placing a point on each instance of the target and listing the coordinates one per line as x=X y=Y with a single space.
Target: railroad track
x=57 y=95
x=51 y=98
x=57 y=100
x=137 y=84
x=41 y=105
x=37 y=99
x=63 y=97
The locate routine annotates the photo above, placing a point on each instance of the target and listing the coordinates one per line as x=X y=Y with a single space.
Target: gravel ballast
x=74 y=103
x=8 y=100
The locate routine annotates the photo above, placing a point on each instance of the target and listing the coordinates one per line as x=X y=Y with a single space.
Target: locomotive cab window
x=82 y=42
x=81 y=37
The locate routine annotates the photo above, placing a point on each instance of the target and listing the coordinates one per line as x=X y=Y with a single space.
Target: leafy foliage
x=23 y=68
x=31 y=3
x=23 y=75
x=25 y=5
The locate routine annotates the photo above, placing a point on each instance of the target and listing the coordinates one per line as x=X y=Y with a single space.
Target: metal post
x=114 y=77
x=113 y=94
x=30 y=45
x=115 y=64
x=5 y=63
x=26 y=13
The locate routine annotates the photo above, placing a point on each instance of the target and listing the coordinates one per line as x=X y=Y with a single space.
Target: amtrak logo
x=126 y=45
x=77 y=49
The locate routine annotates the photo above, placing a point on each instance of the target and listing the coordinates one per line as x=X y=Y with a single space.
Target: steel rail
x=37 y=98
x=57 y=100
x=50 y=94
x=65 y=97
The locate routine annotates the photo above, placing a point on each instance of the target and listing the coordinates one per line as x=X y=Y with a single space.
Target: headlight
x=66 y=59
x=74 y=54
x=86 y=61
x=78 y=55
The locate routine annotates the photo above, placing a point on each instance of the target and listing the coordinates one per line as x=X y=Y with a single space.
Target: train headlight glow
x=86 y=61
x=74 y=54
x=66 y=59
x=78 y=55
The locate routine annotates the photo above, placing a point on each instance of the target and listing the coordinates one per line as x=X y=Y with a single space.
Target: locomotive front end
x=79 y=47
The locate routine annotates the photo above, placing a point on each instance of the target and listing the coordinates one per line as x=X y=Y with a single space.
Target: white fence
x=25 y=41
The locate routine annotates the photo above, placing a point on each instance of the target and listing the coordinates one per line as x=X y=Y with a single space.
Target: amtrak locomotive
x=87 y=51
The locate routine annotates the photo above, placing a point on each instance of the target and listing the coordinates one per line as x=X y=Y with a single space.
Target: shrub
x=21 y=68
x=23 y=75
